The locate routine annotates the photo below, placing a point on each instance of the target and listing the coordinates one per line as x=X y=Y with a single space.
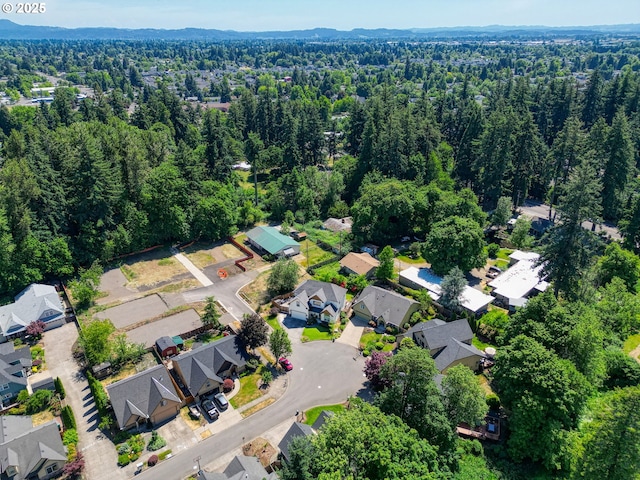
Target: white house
x=522 y=280
x=315 y=300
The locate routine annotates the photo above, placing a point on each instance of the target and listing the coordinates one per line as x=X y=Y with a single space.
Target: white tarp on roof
x=520 y=279
x=471 y=299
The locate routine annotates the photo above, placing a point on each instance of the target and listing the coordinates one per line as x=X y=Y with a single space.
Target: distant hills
x=13 y=31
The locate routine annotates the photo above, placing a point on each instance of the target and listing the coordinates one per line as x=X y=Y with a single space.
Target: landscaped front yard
x=249 y=389
x=370 y=340
x=317 y=332
x=312 y=414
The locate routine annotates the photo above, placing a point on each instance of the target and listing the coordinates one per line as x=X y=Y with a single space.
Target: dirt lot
x=261 y=448
x=151 y=269
x=135 y=311
x=204 y=255
x=172 y=325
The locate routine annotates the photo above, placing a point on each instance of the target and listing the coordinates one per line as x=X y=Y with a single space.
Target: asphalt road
x=324 y=373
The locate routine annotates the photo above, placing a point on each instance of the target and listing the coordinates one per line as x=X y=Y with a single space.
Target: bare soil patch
x=151 y=268
x=261 y=448
x=134 y=311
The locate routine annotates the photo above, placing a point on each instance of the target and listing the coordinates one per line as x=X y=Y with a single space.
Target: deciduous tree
x=279 y=343
x=254 y=331
x=283 y=277
x=452 y=286
x=385 y=269
x=464 y=399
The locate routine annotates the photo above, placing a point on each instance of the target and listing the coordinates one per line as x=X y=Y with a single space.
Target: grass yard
x=188 y=419
x=371 y=338
x=312 y=414
x=249 y=389
x=484 y=383
x=41 y=418
x=317 y=332
x=407 y=259
x=258 y=407
x=313 y=253
x=479 y=344
x=504 y=253
x=631 y=343
x=273 y=322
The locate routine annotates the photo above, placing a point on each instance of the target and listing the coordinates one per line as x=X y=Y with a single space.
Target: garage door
x=297 y=314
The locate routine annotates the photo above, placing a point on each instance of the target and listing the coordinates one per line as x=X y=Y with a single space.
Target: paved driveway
x=99 y=453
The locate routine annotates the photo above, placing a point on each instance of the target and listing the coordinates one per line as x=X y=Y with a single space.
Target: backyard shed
x=166 y=347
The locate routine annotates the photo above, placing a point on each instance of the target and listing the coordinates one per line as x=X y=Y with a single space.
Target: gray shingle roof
x=165 y=342
x=27 y=449
x=29 y=306
x=209 y=361
x=241 y=468
x=296 y=430
x=324 y=415
x=380 y=302
x=325 y=291
x=140 y=394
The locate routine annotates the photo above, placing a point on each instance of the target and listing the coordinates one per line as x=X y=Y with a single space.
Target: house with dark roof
x=240 y=468
x=28 y=452
x=359 y=264
x=384 y=307
x=203 y=369
x=15 y=365
x=296 y=430
x=322 y=418
x=148 y=396
x=314 y=300
x=36 y=302
x=271 y=241
x=449 y=343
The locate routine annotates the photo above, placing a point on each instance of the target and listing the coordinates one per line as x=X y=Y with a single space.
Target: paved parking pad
x=134 y=311
x=170 y=326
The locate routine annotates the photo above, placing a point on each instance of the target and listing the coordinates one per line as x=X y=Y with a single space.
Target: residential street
x=324 y=373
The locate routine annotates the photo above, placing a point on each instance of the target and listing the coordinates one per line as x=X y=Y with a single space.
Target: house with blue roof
x=36 y=302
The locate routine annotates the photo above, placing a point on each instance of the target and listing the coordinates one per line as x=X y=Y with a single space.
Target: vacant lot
x=206 y=254
x=151 y=269
x=134 y=311
x=170 y=326
x=312 y=253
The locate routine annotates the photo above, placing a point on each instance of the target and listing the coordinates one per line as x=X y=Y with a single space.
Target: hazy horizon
x=256 y=16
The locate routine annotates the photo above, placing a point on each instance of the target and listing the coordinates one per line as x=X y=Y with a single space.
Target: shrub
x=153 y=459
x=227 y=385
x=267 y=377
x=379 y=345
x=493 y=401
x=73 y=470
x=39 y=401
x=59 y=387
x=388 y=339
x=125 y=448
x=123 y=459
x=253 y=364
x=391 y=330
x=71 y=452
x=366 y=353
x=70 y=437
x=156 y=442
x=68 y=420
x=164 y=454
x=121 y=436
x=136 y=442
x=274 y=311
x=492 y=250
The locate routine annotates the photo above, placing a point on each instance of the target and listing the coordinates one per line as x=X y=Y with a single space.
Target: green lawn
x=316 y=332
x=373 y=337
x=249 y=390
x=504 y=253
x=273 y=322
x=312 y=414
x=631 y=343
x=313 y=253
x=407 y=259
x=327 y=272
x=479 y=344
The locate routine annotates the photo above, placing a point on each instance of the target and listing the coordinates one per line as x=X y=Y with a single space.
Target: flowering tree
x=35 y=329
x=372 y=367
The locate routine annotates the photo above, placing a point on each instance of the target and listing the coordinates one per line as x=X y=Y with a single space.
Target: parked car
x=493 y=271
x=221 y=401
x=194 y=412
x=210 y=408
x=285 y=363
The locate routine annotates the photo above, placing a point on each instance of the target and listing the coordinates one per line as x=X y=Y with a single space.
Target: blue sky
x=260 y=15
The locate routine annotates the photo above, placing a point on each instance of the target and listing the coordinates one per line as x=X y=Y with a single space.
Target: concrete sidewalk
x=195 y=271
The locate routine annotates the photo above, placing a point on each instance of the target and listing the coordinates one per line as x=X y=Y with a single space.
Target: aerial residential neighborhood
x=297 y=243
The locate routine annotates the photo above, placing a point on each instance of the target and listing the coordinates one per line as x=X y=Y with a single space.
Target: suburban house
x=472 y=300
x=271 y=241
x=14 y=368
x=240 y=468
x=36 y=302
x=203 y=369
x=520 y=281
x=384 y=307
x=296 y=430
x=314 y=300
x=148 y=396
x=359 y=264
x=28 y=452
x=338 y=224
x=449 y=343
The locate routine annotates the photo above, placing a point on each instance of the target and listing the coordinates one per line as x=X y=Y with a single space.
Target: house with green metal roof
x=270 y=240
